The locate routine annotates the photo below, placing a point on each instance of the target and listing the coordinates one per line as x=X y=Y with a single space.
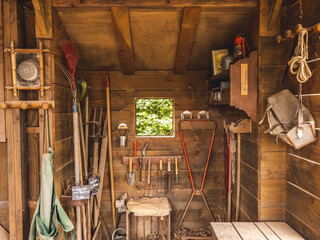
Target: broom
x=72 y=57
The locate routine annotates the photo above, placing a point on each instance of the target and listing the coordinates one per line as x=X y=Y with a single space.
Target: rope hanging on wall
x=298 y=63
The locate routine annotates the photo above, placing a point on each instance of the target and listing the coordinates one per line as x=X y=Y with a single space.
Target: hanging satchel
x=289 y=120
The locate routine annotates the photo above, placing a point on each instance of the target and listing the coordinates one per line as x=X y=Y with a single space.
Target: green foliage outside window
x=154 y=117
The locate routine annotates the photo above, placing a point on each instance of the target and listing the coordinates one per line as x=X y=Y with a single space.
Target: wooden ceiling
x=155 y=35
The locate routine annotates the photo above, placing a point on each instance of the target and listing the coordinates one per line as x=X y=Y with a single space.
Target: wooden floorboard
x=248 y=231
x=284 y=231
x=225 y=231
x=270 y=235
x=254 y=231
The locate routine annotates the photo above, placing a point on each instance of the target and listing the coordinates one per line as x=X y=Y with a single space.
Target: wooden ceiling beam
x=43 y=18
x=155 y=3
x=121 y=24
x=274 y=13
x=189 y=25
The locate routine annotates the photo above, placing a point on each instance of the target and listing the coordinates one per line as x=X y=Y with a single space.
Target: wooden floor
x=254 y=231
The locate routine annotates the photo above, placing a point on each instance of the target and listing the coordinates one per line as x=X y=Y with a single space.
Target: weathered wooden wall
x=124 y=90
x=303 y=166
x=271 y=166
x=62 y=113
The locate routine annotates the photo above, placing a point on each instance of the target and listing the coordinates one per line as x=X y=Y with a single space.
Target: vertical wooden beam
x=43 y=18
x=14 y=128
x=274 y=13
x=187 y=34
x=121 y=24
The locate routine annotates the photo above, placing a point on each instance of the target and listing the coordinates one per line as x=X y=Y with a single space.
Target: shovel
x=131 y=174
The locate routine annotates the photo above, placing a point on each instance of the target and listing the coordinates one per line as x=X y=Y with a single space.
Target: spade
x=131 y=174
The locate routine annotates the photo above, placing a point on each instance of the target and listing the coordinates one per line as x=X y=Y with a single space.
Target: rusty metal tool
x=139 y=183
x=131 y=175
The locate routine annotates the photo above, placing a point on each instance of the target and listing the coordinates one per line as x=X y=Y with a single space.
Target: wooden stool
x=152 y=206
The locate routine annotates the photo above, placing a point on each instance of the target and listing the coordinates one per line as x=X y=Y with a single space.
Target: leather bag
x=289 y=120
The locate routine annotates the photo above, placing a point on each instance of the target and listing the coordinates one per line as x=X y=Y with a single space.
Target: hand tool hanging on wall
x=110 y=148
x=242 y=126
x=135 y=166
x=139 y=183
x=169 y=175
x=149 y=176
x=160 y=174
x=176 y=170
x=203 y=116
x=130 y=174
x=123 y=133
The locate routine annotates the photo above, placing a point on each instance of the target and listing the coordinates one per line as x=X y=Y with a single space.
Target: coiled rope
x=298 y=63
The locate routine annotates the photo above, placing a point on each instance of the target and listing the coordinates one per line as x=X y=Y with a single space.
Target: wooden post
x=14 y=129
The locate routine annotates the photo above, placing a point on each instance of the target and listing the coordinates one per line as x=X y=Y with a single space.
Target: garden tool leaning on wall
x=185 y=124
x=288 y=118
x=49 y=212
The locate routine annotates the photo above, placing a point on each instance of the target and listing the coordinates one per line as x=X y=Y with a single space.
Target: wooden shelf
x=221 y=76
x=246 y=101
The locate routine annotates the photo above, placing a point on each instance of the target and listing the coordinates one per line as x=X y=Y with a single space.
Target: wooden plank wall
x=124 y=90
x=272 y=158
x=62 y=113
x=303 y=166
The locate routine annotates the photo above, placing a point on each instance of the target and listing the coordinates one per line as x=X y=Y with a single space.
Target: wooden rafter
x=43 y=18
x=122 y=31
x=274 y=13
x=187 y=34
x=155 y=3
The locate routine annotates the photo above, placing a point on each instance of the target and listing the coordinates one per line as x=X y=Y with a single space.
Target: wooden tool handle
x=169 y=165
x=149 y=171
x=160 y=162
x=130 y=165
x=176 y=165
x=135 y=148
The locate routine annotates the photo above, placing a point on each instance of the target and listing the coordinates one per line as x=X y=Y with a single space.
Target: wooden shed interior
x=159 y=49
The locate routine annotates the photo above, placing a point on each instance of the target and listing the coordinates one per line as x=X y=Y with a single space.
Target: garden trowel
x=131 y=174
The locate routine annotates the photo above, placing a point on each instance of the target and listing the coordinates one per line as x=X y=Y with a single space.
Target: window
x=154 y=117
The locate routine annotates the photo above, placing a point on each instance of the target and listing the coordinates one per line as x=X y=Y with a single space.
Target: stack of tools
x=172 y=168
x=89 y=173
